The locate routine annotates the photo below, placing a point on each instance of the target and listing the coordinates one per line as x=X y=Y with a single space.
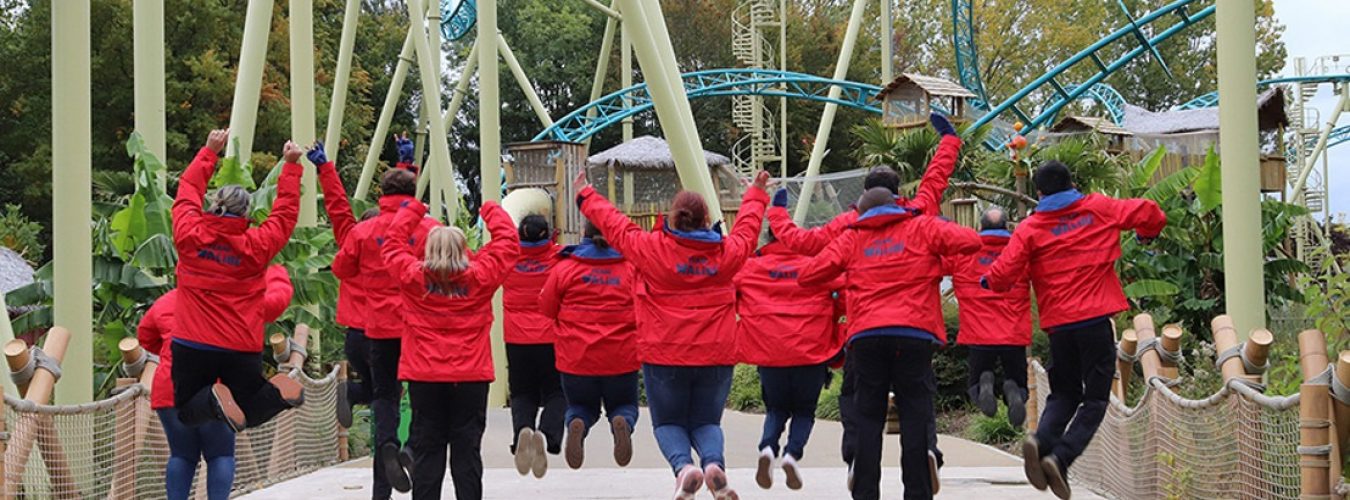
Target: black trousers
x=903 y=366
x=450 y=415
x=196 y=370
x=533 y=381
x=984 y=358
x=385 y=393
x=1082 y=367
x=790 y=396
x=357 y=349
x=848 y=413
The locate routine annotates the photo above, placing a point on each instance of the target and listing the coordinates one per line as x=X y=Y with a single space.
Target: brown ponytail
x=688 y=212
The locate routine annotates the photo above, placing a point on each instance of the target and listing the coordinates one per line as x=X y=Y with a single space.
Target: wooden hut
x=907 y=101
x=551 y=166
x=640 y=178
x=1114 y=134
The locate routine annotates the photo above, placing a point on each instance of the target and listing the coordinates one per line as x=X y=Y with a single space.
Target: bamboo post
x=1257 y=352
x=124 y=443
x=3 y=451
x=342 y=451
x=1170 y=342
x=18 y=356
x=1149 y=359
x=1033 y=403
x=33 y=427
x=1127 y=348
x=282 y=455
x=1313 y=410
x=1225 y=338
x=131 y=351
x=1340 y=415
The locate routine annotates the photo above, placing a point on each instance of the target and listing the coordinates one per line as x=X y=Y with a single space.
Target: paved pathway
x=972 y=470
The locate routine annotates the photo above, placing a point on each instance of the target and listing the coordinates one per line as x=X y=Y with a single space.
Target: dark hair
x=534 y=228
x=597 y=238
x=766 y=235
x=688 y=212
x=398 y=182
x=993 y=218
x=875 y=197
x=1052 y=177
x=884 y=177
x=370 y=214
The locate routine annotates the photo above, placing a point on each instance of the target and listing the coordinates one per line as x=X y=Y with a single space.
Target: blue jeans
x=586 y=394
x=686 y=404
x=212 y=441
x=790 y=393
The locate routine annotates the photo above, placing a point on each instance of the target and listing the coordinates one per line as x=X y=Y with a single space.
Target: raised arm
x=951 y=238
x=807 y=241
x=618 y=229
x=278 y=295
x=744 y=235
x=347 y=262
x=1145 y=217
x=496 y=258
x=334 y=195
x=1011 y=266
x=928 y=198
x=830 y=264
x=187 y=205
x=398 y=256
x=274 y=232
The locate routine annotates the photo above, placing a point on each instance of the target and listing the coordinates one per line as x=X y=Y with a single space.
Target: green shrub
x=20 y=234
x=827 y=407
x=995 y=430
x=745 y=393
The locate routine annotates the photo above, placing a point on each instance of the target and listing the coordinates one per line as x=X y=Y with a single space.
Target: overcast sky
x=1318 y=28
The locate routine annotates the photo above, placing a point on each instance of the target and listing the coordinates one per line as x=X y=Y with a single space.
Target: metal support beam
x=827 y=117
x=602 y=65
x=147 y=28
x=626 y=79
x=338 y=102
x=391 y=98
x=438 y=168
x=248 y=80
x=457 y=98
x=523 y=81
x=1244 y=284
x=782 y=102
x=887 y=40
x=490 y=162
x=439 y=156
x=302 y=102
x=608 y=11
x=72 y=159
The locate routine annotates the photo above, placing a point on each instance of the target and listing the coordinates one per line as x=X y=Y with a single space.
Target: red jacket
x=590 y=296
x=892 y=264
x=927 y=201
x=1069 y=248
x=987 y=317
x=155 y=331
x=522 y=323
x=221 y=261
x=783 y=323
x=684 y=297
x=351 y=292
x=449 y=329
x=380 y=308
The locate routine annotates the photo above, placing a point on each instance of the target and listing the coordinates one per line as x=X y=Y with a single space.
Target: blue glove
x=405 y=149
x=984 y=282
x=941 y=125
x=316 y=154
x=780 y=197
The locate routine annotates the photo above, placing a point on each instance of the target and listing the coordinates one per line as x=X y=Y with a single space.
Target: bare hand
x=762 y=180
x=580 y=182
x=292 y=152
x=215 y=141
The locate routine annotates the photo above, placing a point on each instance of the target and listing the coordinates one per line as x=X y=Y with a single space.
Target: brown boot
x=623 y=441
x=290 y=389
x=227 y=408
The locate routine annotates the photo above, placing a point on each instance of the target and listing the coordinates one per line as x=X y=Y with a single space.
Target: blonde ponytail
x=446 y=254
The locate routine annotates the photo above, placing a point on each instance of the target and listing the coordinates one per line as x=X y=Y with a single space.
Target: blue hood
x=706 y=235
x=535 y=244
x=996 y=232
x=588 y=251
x=1058 y=200
x=883 y=210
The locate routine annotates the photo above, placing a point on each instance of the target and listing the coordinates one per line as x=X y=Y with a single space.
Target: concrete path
x=972 y=470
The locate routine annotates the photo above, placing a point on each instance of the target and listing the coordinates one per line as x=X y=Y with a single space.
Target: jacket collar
x=1059 y=200
x=227 y=224
x=390 y=203
x=1004 y=233
x=537 y=249
x=587 y=250
x=995 y=237
x=883 y=216
x=698 y=237
x=774 y=248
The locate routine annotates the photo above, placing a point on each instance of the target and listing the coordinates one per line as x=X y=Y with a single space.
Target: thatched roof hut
x=647 y=153
x=639 y=176
x=14 y=273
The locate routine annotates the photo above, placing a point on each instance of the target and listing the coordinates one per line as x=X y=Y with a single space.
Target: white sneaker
x=540 y=451
x=764 y=473
x=524 y=450
x=794 y=478
x=688 y=482
x=718 y=483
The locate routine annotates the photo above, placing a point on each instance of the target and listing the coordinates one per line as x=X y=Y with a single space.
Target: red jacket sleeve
x=954 y=239
x=149 y=332
x=278 y=295
x=928 y=199
x=398 y=256
x=406 y=166
x=618 y=229
x=187 y=205
x=550 y=297
x=498 y=256
x=744 y=235
x=1011 y=266
x=335 y=202
x=347 y=262
x=268 y=238
x=807 y=241
x=830 y=264
x=1143 y=216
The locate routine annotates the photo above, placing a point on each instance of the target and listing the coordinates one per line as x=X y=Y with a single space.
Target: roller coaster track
x=457 y=18
x=967 y=52
x=613 y=108
x=1212 y=99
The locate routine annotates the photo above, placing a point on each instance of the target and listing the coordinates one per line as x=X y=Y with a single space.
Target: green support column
x=147 y=28
x=887 y=36
x=827 y=117
x=248 y=79
x=72 y=237
x=782 y=102
x=431 y=94
x=338 y=103
x=602 y=65
x=302 y=102
x=524 y=81
x=490 y=161
x=625 y=74
x=386 y=117
x=461 y=87
x=1243 y=263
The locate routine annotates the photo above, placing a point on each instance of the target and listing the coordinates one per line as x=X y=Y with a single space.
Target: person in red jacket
x=789 y=331
x=359 y=259
x=532 y=374
x=1069 y=248
x=590 y=296
x=211 y=442
x=685 y=304
x=995 y=328
x=891 y=260
x=218 y=319
x=447 y=348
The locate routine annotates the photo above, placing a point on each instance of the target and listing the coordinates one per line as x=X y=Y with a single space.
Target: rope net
x=1237 y=444
x=115 y=448
x=834 y=193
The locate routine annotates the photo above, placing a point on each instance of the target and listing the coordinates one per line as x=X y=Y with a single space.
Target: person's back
x=359 y=259
x=590 y=293
x=781 y=322
x=522 y=323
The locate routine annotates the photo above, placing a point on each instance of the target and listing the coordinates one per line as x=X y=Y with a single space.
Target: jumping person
x=359 y=259
x=532 y=375
x=590 y=293
x=218 y=330
x=350 y=291
x=211 y=442
x=995 y=328
x=685 y=304
x=789 y=332
x=891 y=260
x=447 y=351
x=1069 y=248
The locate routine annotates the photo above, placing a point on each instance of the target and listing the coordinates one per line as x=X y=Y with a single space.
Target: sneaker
x=718 y=484
x=1017 y=403
x=1054 y=476
x=291 y=391
x=688 y=482
x=540 y=450
x=575 y=447
x=344 y=405
x=794 y=477
x=623 y=440
x=1031 y=463
x=524 y=452
x=394 y=469
x=985 y=397
x=764 y=471
x=933 y=466
x=227 y=409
